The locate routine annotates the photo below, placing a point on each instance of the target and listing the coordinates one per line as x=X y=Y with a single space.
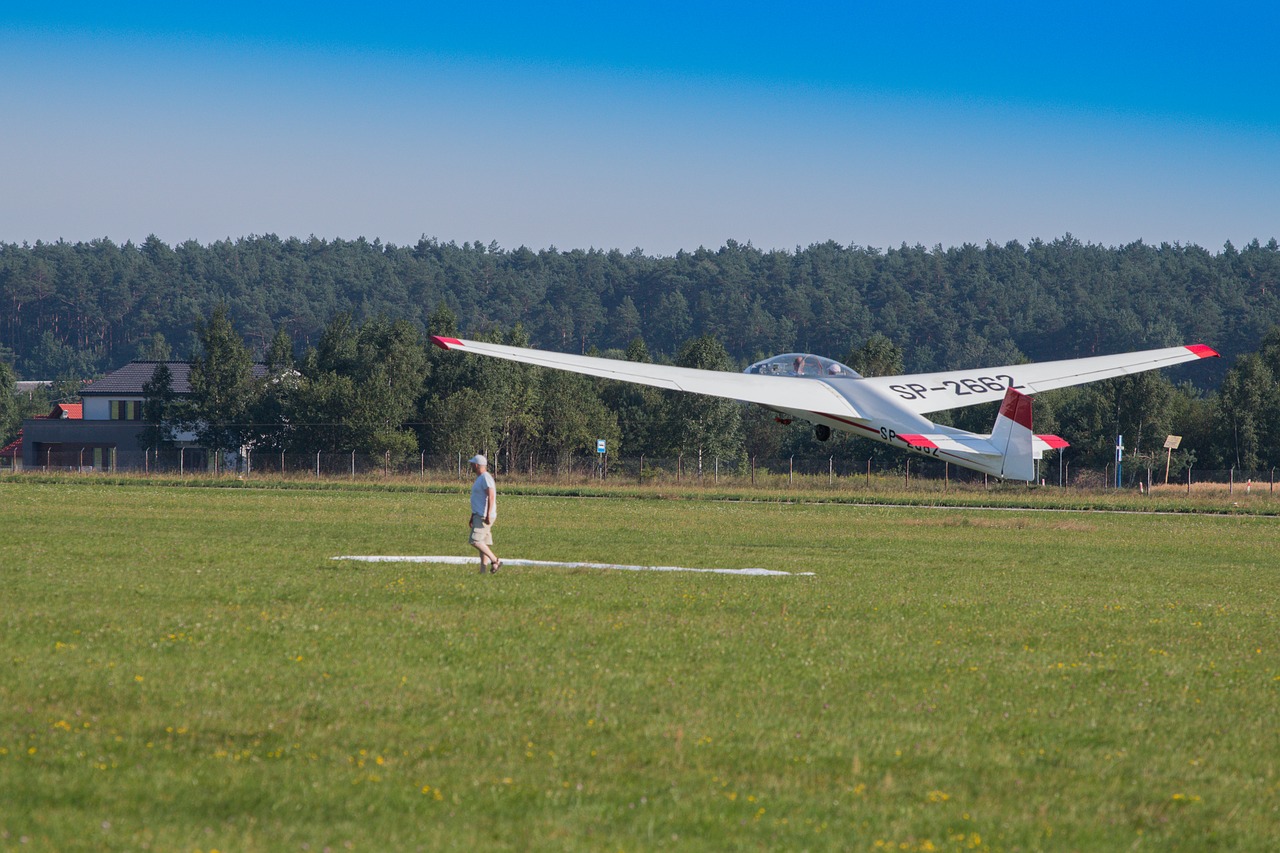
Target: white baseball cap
x=478 y=459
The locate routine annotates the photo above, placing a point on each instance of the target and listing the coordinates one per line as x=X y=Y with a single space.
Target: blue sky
x=661 y=126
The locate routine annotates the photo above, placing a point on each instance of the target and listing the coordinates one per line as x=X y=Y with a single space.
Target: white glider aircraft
x=889 y=409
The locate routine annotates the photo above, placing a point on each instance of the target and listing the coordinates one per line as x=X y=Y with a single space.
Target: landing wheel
x=822 y=432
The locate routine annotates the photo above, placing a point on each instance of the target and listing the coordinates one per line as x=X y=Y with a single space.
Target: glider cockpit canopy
x=803 y=364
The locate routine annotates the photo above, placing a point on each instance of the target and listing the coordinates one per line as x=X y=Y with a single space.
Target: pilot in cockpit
x=802 y=364
x=807 y=366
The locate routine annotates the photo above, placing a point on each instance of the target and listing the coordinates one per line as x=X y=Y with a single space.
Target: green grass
x=879 y=490
x=187 y=669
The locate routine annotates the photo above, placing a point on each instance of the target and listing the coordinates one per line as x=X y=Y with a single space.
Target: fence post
x=906 y=476
x=353 y=464
x=317 y=464
x=753 y=470
x=868 y=472
x=182 y=462
x=422 y=465
x=1188 y=479
x=248 y=463
x=831 y=470
x=792 y=475
x=1231 y=490
x=717 y=470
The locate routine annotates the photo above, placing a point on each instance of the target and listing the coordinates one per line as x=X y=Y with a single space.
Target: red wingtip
x=1204 y=351
x=445 y=343
x=1054 y=441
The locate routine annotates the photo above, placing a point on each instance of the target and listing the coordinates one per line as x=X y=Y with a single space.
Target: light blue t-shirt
x=480 y=496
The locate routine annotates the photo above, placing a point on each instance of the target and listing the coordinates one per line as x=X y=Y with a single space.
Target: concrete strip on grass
x=463 y=561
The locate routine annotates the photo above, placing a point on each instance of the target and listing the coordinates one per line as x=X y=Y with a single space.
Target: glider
x=888 y=409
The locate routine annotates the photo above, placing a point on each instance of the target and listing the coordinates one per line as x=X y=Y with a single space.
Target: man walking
x=484 y=511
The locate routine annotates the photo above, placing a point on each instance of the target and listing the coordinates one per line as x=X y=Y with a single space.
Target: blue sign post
x=1119 y=454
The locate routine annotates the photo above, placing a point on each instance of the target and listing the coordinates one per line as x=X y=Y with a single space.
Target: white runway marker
x=471 y=561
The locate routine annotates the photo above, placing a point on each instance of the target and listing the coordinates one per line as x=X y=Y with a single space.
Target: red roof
x=70 y=411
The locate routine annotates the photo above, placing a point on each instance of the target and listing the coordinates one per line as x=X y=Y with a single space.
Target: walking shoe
x=493 y=568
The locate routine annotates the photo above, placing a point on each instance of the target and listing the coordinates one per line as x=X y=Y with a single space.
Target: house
x=11 y=454
x=31 y=386
x=106 y=432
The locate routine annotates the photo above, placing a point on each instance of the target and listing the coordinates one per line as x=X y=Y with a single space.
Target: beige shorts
x=481 y=533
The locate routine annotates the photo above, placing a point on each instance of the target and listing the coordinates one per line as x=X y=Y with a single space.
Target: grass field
x=186 y=669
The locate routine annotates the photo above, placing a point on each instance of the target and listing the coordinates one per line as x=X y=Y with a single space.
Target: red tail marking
x=916 y=440
x=1017 y=408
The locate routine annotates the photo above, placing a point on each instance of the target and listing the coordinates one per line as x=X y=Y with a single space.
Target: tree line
x=76 y=310
x=344 y=375
x=380 y=388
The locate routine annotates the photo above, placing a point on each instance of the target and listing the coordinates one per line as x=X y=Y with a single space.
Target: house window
x=126 y=410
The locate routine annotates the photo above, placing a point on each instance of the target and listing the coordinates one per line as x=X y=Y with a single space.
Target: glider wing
x=775 y=392
x=933 y=392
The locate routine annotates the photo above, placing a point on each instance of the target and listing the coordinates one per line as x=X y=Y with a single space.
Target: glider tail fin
x=1013 y=437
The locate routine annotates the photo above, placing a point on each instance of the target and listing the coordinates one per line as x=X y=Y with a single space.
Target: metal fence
x=743 y=471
